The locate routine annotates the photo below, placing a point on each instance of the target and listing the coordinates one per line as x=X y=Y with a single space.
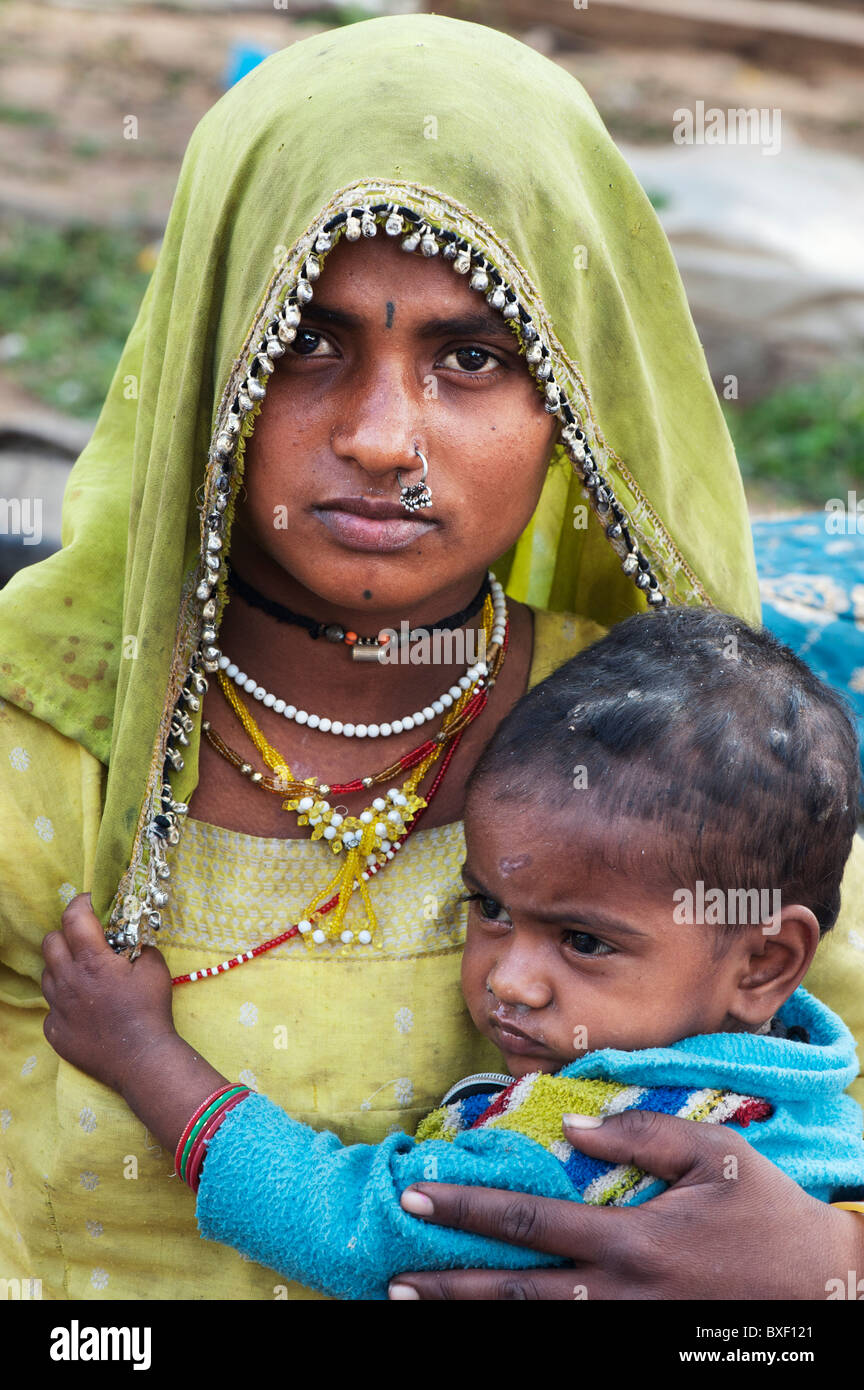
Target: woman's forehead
x=363 y=280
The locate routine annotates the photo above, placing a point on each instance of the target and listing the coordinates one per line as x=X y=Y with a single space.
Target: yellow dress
x=360 y=1042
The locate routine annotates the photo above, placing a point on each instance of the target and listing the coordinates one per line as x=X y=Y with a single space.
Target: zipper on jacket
x=495 y=1079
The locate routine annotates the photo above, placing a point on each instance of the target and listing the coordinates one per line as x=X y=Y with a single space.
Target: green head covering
x=478 y=136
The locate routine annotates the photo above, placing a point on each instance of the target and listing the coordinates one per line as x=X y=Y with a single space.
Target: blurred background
x=768 y=240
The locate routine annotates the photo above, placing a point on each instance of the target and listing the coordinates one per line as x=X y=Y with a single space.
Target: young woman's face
x=394 y=350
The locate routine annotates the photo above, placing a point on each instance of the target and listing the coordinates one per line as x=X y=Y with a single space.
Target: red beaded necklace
x=479 y=703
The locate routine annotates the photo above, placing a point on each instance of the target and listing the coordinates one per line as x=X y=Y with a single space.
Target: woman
x=419 y=185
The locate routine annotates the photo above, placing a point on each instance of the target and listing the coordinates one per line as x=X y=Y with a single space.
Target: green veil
x=478 y=137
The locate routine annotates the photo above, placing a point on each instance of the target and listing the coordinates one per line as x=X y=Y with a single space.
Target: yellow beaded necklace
x=371 y=838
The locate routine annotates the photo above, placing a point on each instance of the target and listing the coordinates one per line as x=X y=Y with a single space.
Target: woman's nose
x=381 y=421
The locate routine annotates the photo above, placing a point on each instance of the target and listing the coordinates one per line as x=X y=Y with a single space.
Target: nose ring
x=414 y=495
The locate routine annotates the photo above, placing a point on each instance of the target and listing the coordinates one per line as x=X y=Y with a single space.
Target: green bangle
x=199 y=1125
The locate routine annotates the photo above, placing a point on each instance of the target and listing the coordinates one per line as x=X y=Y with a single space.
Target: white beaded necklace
x=396 y=726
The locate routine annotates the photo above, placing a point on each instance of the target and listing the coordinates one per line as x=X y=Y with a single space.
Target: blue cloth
x=811 y=582
x=328 y=1215
x=242 y=58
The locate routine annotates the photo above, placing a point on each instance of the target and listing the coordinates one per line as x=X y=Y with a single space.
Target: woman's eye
x=584 y=944
x=307 y=342
x=472 y=360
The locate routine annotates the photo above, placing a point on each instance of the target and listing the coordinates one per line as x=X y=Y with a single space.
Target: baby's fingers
x=82 y=928
x=55 y=950
x=48 y=987
x=151 y=967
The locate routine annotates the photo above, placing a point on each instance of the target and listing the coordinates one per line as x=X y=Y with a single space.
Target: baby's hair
x=743 y=762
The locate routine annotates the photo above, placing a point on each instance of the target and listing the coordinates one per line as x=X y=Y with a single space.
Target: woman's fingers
x=729 y=1226
x=679 y=1151
x=557 y=1227
x=676 y=1150
x=514 y=1285
x=610 y=1250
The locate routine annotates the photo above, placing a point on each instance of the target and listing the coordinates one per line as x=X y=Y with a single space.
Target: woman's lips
x=365 y=524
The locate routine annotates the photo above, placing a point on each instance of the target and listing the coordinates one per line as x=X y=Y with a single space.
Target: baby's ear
x=778 y=956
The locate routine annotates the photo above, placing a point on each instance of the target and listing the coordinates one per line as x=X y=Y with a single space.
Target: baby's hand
x=104 y=1010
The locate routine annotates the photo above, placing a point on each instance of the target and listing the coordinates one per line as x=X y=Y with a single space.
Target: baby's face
x=566 y=953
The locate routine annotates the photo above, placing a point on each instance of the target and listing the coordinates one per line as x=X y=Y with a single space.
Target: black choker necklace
x=363 y=648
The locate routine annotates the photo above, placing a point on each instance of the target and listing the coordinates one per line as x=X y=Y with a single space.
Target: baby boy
x=655 y=838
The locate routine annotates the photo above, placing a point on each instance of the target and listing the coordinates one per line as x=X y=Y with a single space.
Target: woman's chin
x=390 y=583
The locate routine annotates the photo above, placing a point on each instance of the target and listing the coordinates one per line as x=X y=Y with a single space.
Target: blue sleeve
x=328 y=1215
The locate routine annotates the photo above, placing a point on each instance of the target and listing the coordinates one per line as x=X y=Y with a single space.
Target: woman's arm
x=710 y=1235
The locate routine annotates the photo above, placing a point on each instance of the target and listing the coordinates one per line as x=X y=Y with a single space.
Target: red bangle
x=190 y=1126
x=207 y=1128
x=199 y=1148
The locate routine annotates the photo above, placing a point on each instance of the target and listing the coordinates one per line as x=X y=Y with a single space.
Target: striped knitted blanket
x=535 y=1104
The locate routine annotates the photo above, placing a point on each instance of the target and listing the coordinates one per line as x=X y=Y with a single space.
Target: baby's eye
x=489 y=908
x=584 y=944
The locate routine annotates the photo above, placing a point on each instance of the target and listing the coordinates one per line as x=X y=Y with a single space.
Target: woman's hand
x=104 y=1010
x=730 y=1226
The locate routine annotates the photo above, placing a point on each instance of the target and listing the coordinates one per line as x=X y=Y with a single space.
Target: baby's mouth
x=516 y=1040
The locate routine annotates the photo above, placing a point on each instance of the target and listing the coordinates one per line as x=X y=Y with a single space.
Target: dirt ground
x=72 y=74
x=70 y=77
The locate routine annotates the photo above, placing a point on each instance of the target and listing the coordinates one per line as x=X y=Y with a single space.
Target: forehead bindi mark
x=391 y=310
x=512 y=864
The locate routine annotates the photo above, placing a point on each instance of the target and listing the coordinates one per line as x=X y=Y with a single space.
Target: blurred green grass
x=68 y=297
x=23 y=115
x=804 y=442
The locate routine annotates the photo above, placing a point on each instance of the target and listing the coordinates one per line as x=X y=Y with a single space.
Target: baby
x=655 y=837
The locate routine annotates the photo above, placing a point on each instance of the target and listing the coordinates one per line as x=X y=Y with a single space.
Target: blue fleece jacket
x=328 y=1216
